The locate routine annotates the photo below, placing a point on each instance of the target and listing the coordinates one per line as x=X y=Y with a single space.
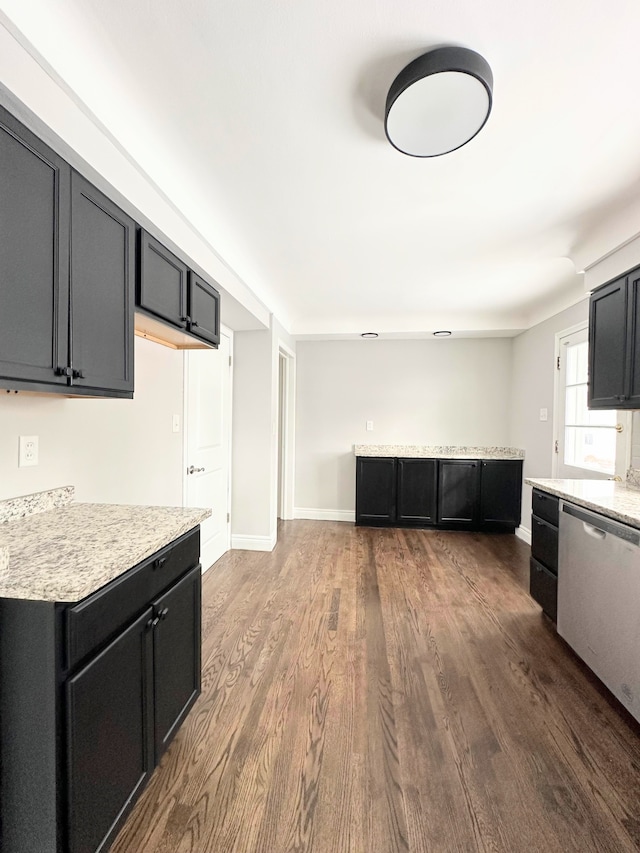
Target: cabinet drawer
x=545 y=506
x=100 y=616
x=544 y=543
x=543 y=587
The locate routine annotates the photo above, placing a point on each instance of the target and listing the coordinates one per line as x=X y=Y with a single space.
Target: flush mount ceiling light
x=369 y=335
x=439 y=102
x=441 y=334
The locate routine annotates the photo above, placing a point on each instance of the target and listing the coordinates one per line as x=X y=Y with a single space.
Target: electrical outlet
x=544 y=414
x=28 y=455
x=369 y=426
x=176 y=423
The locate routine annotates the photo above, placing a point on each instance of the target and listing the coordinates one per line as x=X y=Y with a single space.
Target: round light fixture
x=369 y=335
x=439 y=102
x=441 y=334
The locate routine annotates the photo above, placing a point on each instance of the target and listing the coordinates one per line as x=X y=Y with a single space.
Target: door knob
x=193 y=470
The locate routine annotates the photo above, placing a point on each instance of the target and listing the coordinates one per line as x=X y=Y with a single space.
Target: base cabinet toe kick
x=91 y=695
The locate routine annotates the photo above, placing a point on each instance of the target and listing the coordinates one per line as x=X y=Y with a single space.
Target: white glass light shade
x=439 y=102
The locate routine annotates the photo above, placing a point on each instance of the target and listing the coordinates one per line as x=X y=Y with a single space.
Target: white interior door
x=588 y=443
x=208 y=443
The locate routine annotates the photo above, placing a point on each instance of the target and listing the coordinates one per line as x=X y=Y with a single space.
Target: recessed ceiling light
x=369 y=335
x=441 y=334
x=439 y=102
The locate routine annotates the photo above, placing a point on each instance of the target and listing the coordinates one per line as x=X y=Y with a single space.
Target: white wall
x=121 y=451
x=415 y=392
x=532 y=380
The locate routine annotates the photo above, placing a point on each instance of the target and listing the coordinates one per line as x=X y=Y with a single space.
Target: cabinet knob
x=163 y=613
x=185 y=319
x=194 y=322
x=63 y=371
x=77 y=374
x=159 y=563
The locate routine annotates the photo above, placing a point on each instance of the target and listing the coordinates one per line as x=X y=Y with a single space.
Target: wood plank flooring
x=374 y=691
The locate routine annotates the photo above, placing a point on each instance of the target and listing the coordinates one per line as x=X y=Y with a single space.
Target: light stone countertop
x=427 y=451
x=619 y=501
x=66 y=553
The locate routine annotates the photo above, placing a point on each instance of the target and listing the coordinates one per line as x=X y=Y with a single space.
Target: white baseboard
x=524 y=533
x=253 y=543
x=324 y=514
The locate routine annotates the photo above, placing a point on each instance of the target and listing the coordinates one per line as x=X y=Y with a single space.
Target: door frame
x=286 y=445
x=623 y=417
x=224 y=330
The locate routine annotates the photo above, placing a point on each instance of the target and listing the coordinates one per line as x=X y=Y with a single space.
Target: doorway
x=592 y=444
x=207 y=443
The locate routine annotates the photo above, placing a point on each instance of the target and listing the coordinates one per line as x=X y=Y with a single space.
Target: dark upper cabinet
x=204 y=309
x=108 y=737
x=458 y=491
x=501 y=491
x=375 y=490
x=176 y=657
x=417 y=491
x=102 y=290
x=34 y=257
x=614 y=344
x=67 y=256
x=170 y=292
x=162 y=282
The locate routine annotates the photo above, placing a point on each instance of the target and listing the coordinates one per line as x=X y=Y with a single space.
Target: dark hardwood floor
x=373 y=691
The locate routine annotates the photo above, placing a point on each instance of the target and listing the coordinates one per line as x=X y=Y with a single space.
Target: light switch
x=369 y=426
x=544 y=414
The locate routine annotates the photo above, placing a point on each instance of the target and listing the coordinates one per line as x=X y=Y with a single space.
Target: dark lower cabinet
x=376 y=490
x=176 y=658
x=459 y=492
x=417 y=491
x=543 y=572
x=449 y=493
x=107 y=722
x=501 y=492
x=92 y=694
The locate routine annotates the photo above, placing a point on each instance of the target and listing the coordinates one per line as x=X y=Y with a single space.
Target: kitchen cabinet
x=543 y=568
x=448 y=493
x=68 y=260
x=614 y=344
x=169 y=293
x=500 y=492
x=417 y=491
x=459 y=492
x=93 y=693
x=376 y=482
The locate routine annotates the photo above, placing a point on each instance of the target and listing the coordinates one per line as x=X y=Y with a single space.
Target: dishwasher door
x=599 y=598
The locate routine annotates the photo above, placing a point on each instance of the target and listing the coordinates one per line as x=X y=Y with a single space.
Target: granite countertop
x=426 y=451
x=67 y=552
x=619 y=501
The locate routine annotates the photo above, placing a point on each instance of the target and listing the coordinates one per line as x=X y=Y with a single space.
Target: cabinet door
x=176 y=656
x=608 y=345
x=204 y=310
x=162 y=282
x=102 y=290
x=107 y=744
x=375 y=490
x=417 y=489
x=501 y=492
x=632 y=389
x=458 y=492
x=34 y=257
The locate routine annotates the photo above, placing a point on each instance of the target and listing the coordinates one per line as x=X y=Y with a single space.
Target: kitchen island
x=99 y=661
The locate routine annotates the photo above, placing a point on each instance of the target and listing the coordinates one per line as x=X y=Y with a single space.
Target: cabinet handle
x=163 y=613
x=151 y=623
x=159 y=563
x=63 y=371
x=194 y=322
x=185 y=319
x=77 y=374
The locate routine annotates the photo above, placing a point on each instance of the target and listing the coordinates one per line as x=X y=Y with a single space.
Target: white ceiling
x=263 y=121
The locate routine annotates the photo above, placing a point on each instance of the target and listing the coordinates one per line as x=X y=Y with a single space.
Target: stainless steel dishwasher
x=599 y=598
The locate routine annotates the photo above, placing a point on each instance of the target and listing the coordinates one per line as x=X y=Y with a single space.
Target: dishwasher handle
x=596 y=532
